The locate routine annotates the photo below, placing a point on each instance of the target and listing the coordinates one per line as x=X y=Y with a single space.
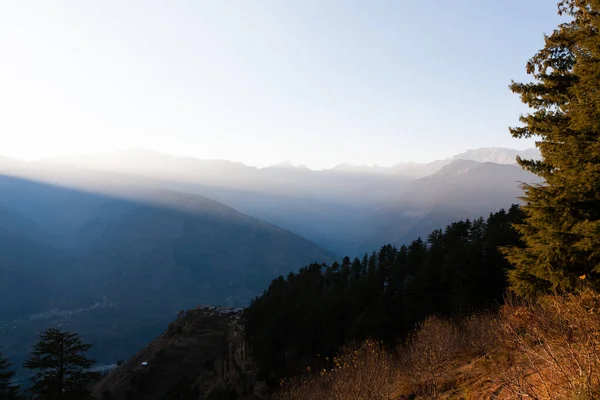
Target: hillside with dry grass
x=547 y=350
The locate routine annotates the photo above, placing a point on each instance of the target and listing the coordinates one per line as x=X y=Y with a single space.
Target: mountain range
x=329 y=207
x=112 y=245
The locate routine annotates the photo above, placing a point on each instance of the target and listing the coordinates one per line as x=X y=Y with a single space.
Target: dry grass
x=365 y=372
x=480 y=334
x=428 y=354
x=555 y=347
x=547 y=350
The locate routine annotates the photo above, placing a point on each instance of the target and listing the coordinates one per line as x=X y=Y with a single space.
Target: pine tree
x=561 y=230
x=62 y=367
x=8 y=391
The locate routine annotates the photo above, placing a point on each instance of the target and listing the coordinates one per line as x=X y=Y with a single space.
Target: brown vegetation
x=360 y=372
x=546 y=350
x=555 y=347
x=429 y=351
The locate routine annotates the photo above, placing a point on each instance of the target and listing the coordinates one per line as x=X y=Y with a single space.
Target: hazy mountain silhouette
x=497 y=155
x=118 y=269
x=459 y=190
x=329 y=207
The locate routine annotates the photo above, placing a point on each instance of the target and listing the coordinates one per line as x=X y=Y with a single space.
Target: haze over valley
x=324 y=206
x=113 y=245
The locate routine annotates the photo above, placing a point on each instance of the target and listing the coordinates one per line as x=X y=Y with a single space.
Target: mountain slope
x=201 y=355
x=196 y=246
x=28 y=281
x=496 y=155
x=117 y=270
x=468 y=185
x=462 y=189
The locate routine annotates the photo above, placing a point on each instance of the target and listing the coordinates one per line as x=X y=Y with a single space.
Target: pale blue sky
x=317 y=82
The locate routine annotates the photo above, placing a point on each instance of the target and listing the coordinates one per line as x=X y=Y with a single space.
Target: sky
x=316 y=82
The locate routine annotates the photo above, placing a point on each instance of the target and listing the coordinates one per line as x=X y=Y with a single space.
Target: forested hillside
x=303 y=319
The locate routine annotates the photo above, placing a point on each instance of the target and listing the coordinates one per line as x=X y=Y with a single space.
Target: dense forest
x=302 y=320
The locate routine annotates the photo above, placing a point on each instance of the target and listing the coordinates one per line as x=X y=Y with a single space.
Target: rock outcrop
x=202 y=355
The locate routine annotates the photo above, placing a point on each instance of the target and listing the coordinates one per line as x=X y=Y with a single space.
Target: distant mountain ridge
x=498 y=155
x=329 y=207
x=458 y=190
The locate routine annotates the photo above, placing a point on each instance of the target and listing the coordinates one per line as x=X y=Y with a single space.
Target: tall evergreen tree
x=8 y=391
x=562 y=225
x=62 y=367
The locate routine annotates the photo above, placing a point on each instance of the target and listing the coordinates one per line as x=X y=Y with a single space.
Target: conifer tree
x=62 y=367
x=8 y=391
x=561 y=230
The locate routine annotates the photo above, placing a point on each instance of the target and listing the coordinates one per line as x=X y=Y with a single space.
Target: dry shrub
x=555 y=347
x=366 y=372
x=547 y=350
x=429 y=352
x=480 y=334
x=514 y=374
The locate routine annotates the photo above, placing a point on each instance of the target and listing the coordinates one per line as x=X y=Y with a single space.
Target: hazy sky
x=318 y=82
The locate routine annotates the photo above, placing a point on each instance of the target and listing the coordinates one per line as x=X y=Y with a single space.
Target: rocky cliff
x=202 y=355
